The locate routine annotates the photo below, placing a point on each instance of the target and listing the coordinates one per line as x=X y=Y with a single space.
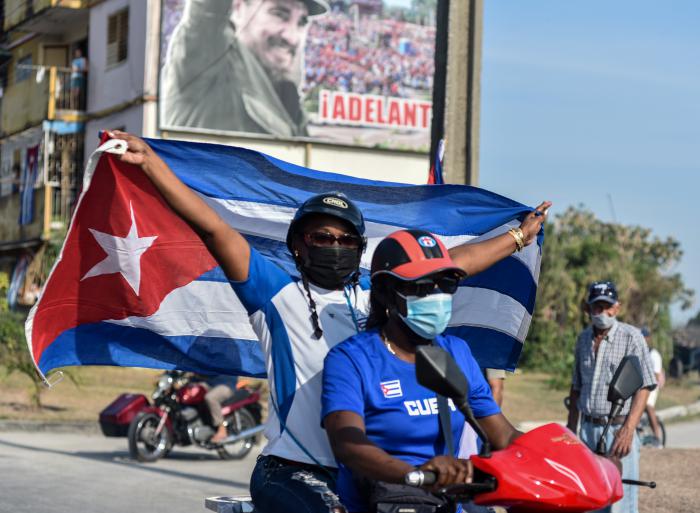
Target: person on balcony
x=78 y=79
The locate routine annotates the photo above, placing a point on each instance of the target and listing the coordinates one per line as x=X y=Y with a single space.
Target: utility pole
x=463 y=90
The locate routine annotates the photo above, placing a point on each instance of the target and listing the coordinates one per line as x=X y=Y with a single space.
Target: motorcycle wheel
x=238 y=421
x=144 y=445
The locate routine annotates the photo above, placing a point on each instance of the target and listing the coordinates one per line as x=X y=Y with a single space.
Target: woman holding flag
x=298 y=321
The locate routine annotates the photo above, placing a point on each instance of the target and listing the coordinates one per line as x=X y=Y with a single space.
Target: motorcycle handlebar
x=650 y=484
x=427 y=478
x=421 y=478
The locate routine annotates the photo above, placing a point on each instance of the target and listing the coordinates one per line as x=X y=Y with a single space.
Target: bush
x=580 y=249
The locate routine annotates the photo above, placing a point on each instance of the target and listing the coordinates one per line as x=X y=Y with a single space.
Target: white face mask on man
x=602 y=321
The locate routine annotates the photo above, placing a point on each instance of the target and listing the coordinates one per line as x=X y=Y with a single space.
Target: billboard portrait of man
x=236 y=65
x=351 y=72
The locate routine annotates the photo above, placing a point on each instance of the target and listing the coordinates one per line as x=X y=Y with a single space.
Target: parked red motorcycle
x=178 y=415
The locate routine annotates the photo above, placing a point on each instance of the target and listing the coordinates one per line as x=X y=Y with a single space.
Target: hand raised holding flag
x=225 y=243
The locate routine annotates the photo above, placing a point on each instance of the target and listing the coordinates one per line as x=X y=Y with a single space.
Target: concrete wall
x=116 y=85
x=130 y=119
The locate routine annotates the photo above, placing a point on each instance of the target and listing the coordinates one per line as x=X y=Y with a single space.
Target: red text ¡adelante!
x=342 y=108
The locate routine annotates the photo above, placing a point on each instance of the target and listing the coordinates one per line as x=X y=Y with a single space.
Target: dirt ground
x=676 y=474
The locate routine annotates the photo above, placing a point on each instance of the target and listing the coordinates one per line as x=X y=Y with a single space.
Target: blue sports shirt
x=362 y=376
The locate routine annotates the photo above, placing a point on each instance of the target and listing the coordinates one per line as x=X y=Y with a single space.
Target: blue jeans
x=630 y=465
x=276 y=486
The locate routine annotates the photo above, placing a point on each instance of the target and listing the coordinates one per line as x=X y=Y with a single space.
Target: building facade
x=42 y=122
x=71 y=68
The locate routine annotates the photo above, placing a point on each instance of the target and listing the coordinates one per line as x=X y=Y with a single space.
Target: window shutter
x=117 y=37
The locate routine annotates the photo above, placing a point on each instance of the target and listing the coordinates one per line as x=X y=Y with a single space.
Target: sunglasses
x=327 y=240
x=424 y=287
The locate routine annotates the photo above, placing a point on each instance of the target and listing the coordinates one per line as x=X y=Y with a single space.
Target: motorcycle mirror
x=626 y=381
x=437 y=371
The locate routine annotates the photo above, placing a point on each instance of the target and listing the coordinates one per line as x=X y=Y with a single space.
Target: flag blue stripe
x=232 y=173
x=106 y=343
x=491 y=349
x=510 y=277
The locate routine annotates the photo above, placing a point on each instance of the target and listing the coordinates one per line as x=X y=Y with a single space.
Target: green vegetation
x=14 y=355
x=579 y=248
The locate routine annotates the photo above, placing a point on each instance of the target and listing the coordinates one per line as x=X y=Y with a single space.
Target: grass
x=527 y=395
x=98 y=387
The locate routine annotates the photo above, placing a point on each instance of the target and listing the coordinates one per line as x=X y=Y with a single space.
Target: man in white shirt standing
x=658 y=368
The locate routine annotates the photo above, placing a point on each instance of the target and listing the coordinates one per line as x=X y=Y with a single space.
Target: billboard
x=353 y=72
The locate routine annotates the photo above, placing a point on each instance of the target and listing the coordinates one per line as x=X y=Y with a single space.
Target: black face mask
x=331 y=268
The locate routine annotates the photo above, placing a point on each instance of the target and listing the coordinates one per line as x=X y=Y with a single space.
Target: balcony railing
x=53 y=194
x=47 y=92
x=64 y=174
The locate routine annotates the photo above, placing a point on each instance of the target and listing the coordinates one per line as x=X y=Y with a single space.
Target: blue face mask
x=428 y=316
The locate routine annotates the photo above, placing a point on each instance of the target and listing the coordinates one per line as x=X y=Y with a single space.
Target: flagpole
x=437 y=125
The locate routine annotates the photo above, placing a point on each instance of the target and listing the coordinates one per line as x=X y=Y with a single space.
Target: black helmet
x=334 y=204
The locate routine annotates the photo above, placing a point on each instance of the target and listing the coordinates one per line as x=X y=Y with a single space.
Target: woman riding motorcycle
x=297 y=321
x=381 y=423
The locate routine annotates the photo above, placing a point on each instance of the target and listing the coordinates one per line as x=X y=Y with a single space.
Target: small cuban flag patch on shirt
x=391 y=389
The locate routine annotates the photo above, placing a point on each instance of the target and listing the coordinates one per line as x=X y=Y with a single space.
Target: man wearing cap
x=599 y=350
x=237 y=66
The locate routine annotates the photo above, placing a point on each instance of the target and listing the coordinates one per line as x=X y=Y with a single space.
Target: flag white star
x=123 y=254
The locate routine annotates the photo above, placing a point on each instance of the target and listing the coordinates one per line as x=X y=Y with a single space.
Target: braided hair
x=318 y=332
x=379 y=302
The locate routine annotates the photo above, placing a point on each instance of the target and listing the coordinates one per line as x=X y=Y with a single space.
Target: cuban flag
x=135 y=286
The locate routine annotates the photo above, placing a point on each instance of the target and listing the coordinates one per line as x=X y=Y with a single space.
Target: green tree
x=14 y=355
x=580 y=249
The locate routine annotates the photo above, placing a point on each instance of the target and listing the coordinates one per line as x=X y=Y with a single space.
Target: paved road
x=683 y=435
x=69 y=473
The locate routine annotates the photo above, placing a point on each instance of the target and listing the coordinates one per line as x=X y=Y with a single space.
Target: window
x=117 y=37
x=24 y=69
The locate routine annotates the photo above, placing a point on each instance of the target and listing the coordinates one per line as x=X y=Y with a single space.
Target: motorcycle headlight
x=164 y=383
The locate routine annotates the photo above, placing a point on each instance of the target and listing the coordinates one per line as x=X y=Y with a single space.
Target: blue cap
x=645 y=331
x=602 y=291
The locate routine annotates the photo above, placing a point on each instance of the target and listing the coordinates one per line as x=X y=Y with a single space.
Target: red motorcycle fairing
x=241 y=398
x=549 y=469
x=191 y=394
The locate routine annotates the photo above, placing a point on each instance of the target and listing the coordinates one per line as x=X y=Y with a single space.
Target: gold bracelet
x=519 y=237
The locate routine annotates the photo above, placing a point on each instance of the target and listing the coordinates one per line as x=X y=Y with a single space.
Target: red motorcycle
x=547 y=469
x=178 y=415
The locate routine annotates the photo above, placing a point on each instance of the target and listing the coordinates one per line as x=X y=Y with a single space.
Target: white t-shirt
x=280 y=315
x=656 y=363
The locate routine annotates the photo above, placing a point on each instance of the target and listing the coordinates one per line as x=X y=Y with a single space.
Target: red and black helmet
x=412 y=254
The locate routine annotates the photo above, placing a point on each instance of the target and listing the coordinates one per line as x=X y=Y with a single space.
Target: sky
x=597 y=103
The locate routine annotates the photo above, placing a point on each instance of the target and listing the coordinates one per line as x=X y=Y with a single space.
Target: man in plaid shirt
x=599 y=350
